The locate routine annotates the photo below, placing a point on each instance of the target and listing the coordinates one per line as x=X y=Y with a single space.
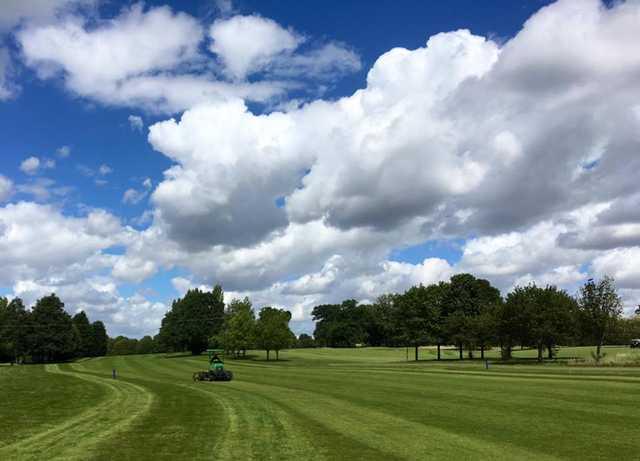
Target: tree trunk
x=438 y=351
x=482 y=351
x=460 y=351
x=506 y=351
x=550 y=351
x=598 y=347
x=267 y=355
x=540 y=352
x=417 y=352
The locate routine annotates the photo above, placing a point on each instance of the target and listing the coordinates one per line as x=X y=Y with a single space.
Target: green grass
x=322 y=404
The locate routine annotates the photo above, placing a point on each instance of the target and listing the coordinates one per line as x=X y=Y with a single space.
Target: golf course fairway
x=320 y=404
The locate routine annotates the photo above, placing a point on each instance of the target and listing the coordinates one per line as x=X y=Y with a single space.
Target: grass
x=323 y=404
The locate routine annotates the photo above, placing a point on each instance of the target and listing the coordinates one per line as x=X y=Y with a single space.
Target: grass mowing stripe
x=411 y=440
x=361 y=404
x=33 y=401
x=89 y=427
x=274 y=435
x=180 y=425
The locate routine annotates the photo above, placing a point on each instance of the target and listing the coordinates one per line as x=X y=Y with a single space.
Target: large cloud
x=16 y=12
x=44 y=251
x=139 y=58
x=524 y=151
x=449 y=131
x=521 y=145
x=38 y=241
x=247 y=44
x=154 y=58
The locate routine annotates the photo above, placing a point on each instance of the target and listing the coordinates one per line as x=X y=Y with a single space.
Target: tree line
x=47 y=333
x=466 y=311
x=202 y=320
x=471 y=314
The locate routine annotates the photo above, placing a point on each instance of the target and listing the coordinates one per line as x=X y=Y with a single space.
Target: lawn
x=322 y=404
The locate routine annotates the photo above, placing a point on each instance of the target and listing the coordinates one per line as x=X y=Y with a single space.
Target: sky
x=302 y=153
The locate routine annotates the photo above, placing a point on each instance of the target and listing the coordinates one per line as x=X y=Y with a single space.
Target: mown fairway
x=319 y=404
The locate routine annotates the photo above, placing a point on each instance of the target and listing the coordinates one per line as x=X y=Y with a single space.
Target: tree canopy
x=272 y=330
x=192 y=320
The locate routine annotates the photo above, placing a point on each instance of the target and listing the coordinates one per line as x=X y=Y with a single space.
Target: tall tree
x=239 y=329
x=482 y=329
x=465 y=298
x=14 y=323
x=599 y=306
x=85 y=335
x=553 y=319
x=272 y=330
x=52 y=337
x=99 y=339
x=512 y=321
x=381 y=328
x=417 y=313
x=341 y=325
x=5 y=354
x=193 y=319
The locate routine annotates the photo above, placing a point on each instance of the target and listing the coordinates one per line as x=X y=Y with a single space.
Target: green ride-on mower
x=216 y=371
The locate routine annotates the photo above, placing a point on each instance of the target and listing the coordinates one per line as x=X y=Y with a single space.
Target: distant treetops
x=466 y=311
x=471 y=314
x=47 y=333
x=201 y=319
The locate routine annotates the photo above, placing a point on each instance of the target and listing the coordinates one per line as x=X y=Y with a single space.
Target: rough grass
x=322 y=404
x=611 y=358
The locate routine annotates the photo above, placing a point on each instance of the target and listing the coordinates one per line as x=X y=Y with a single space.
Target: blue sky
x=306 y=152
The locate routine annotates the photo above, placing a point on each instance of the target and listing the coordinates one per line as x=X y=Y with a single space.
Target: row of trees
x=201 y=319
x=122 y=345
x=47 y=333
x=471 y=314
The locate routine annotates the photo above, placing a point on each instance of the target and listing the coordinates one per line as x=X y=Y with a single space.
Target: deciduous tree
x=272 y=330
x=599 y=306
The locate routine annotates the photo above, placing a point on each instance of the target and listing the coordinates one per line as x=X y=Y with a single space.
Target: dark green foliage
x=469 y=313
x=146 y=345
x=14 y=329
x=381 y=325
x=513 y=321
x=469 y=295
x=84 y=334
x=239 y=330
x=624 y=330
x=553 y=319
x=537 y=317
x=340 y=325
x=99 y=339
x=305 y=341
x=51 y=336
x=192 y=320
x=121 y=345
x=272 y=330
x=467 y=302
x=599 y=307
x=417 y=313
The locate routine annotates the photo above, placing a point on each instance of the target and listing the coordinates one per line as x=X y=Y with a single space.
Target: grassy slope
x=322 y=404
